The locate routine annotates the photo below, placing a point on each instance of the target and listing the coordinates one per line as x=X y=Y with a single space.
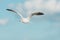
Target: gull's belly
x=24 y=20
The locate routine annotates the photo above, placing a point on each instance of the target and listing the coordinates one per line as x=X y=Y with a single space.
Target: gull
x=25 y=20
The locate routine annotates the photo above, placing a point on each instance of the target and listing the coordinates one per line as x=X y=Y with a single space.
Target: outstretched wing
x=11 y=10
x=36 y=13
x=14 y=12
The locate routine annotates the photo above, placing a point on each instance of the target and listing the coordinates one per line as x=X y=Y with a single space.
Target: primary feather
x=37 y=13
x=11 y=10
x=15 y=11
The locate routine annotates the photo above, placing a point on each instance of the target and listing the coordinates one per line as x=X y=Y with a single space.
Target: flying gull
x=25 y=20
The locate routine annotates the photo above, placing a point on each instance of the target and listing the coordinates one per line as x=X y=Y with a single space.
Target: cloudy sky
x=46 y=27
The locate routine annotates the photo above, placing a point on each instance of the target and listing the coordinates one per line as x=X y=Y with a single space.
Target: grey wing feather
x=15 y=12
x=11 y=10
x=36 y=13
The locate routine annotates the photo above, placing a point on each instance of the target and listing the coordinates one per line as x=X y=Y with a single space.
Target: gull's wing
x=14 y=12
x=11 y=10
x=36 y=13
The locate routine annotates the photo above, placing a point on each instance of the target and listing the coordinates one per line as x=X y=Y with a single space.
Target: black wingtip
x=8 y=9
x=40 y=13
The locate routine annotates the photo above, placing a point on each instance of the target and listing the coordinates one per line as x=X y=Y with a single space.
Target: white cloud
x=51 y=5
x=40 y=5
x=28 y=5
x=33 y=5
x=3 y=21
x=37 y=4
x=58 y=7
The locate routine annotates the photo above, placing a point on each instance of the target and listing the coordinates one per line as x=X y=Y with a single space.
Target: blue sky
x=46 y=27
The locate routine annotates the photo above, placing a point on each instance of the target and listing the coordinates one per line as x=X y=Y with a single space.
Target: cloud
x=38 y=5
x=28 y=5
x=51 y=5
x=3 y=21
x=58 y=7
x=41 y=5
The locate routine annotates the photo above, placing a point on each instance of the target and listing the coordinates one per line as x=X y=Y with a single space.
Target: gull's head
x=24 y=20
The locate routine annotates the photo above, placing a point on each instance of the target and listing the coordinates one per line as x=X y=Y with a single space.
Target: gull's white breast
x=24 y=20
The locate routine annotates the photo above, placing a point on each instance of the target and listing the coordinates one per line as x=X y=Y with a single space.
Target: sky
x=44 y=27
